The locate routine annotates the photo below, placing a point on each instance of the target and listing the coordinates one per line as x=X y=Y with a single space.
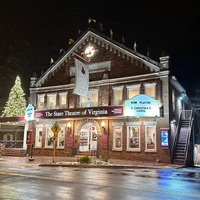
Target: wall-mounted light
x=69 y=126
x=103 y=124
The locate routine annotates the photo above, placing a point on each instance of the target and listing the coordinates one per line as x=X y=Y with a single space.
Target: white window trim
x=146 y=126
x=64 y=128
x=60 y=95
x=151 y=85
x=113 y=147
x=133 y=86
x=39 y=96
x=47 y=126
x=48 y=97
x=38 y=127
x=88 y=104
x=117 y=88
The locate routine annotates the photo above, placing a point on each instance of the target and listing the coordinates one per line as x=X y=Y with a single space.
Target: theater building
x=131 y=111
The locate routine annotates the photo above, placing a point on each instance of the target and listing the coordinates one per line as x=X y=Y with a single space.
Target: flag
x=71 y=41
x=61 y=52
x=100 y=27
x=42 y=71
x=123 y=40
x=91 y=20
x=135 y=46
x=51 y=61
x=111 y=33
x=81 y=78
x=79 y=31
x=148 y=52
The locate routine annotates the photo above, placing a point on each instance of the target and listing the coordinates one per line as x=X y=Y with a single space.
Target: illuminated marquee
x=141 y=106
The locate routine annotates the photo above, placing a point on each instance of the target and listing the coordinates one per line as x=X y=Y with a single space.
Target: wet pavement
x=72 y=162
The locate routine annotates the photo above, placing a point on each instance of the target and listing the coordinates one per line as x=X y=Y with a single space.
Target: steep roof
x=103 y=43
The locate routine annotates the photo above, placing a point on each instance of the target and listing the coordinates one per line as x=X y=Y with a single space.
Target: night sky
x=33 y=31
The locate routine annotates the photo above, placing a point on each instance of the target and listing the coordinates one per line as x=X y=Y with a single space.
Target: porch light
x=69 y=125
x=103 y=124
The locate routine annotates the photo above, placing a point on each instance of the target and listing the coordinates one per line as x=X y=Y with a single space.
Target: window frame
x=150 y=140
x=38 y=130
x=116 y=101
x=149 y=85
x=48 y=101
x=39 y=97
x=137 y=145
x=132 y=87
x=117 y=129
x=63 y=94
x=88 y=102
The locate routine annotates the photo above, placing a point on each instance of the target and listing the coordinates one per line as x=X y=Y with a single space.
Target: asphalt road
x=32 y=182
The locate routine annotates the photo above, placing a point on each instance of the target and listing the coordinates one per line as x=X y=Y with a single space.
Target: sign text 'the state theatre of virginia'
x=80 y=112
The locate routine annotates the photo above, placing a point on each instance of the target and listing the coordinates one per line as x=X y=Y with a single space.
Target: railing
x=185 y=115
x=12 y=143
x=188 y=137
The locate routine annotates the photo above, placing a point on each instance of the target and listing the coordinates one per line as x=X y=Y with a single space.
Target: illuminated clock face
x=89 y=51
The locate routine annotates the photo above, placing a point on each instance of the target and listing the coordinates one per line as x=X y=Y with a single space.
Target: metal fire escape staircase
x=180 y=149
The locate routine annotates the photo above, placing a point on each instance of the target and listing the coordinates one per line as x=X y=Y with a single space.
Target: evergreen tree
x=16 y=104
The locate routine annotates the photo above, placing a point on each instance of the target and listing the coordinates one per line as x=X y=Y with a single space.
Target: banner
x=81 y=78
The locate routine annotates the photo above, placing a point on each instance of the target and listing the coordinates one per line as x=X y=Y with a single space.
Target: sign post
x=55 y=128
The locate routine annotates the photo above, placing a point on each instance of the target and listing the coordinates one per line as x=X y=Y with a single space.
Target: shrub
x=105 y=159
x=84 y=159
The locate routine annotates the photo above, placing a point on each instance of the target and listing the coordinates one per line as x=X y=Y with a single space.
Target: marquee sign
x=141 y=106
x=80 y=112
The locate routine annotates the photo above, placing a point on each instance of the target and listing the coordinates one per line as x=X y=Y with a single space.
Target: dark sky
x=33 y=31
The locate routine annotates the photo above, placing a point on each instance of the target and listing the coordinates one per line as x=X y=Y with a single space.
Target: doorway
x=88 y=137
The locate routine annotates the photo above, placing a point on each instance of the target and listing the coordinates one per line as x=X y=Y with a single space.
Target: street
x=21 y=182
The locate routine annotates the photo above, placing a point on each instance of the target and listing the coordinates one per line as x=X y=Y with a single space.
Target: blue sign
x=29 y=114
x=164 y=137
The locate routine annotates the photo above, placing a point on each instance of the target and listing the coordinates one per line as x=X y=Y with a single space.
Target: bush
x=84 y=159
x=105 y=159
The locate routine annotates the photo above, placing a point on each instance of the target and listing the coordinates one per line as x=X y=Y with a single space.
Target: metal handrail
x=188 y=138
x=185 y=115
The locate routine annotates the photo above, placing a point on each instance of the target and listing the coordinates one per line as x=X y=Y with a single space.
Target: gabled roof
x=92 y=35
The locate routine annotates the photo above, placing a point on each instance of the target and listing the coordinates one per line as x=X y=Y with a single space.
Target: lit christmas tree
x=16 y=104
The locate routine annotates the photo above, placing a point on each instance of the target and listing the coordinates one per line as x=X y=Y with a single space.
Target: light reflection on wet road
x=33 y=182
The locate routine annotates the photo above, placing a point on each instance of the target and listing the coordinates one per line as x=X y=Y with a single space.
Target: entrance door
x=88 y=137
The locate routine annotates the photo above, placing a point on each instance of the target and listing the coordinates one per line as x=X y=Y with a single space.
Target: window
x=40 y=104
x=117 y=138
x=133 y=138
x=49 y=137
x=61 y=138
x=63 y=100
x=38 y=136
x=51 y=101
x=150 y=138
x=150 y=89
x=91 y=100
x=118 y=94
x=133 y=90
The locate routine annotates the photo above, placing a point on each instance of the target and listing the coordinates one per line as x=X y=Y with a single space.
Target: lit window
x=118 y=94
x=91 y=100
x=117 y=138
x=61 y=138
x=51 y=101
x=38 y=136
x=150 y=138
x=150 y=89
x=40 y=103
x=49 y=137
x=63 y=100
x=133 y=90
x=133 y=138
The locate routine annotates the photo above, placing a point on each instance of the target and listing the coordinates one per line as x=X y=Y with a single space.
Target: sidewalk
x=72 y=162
